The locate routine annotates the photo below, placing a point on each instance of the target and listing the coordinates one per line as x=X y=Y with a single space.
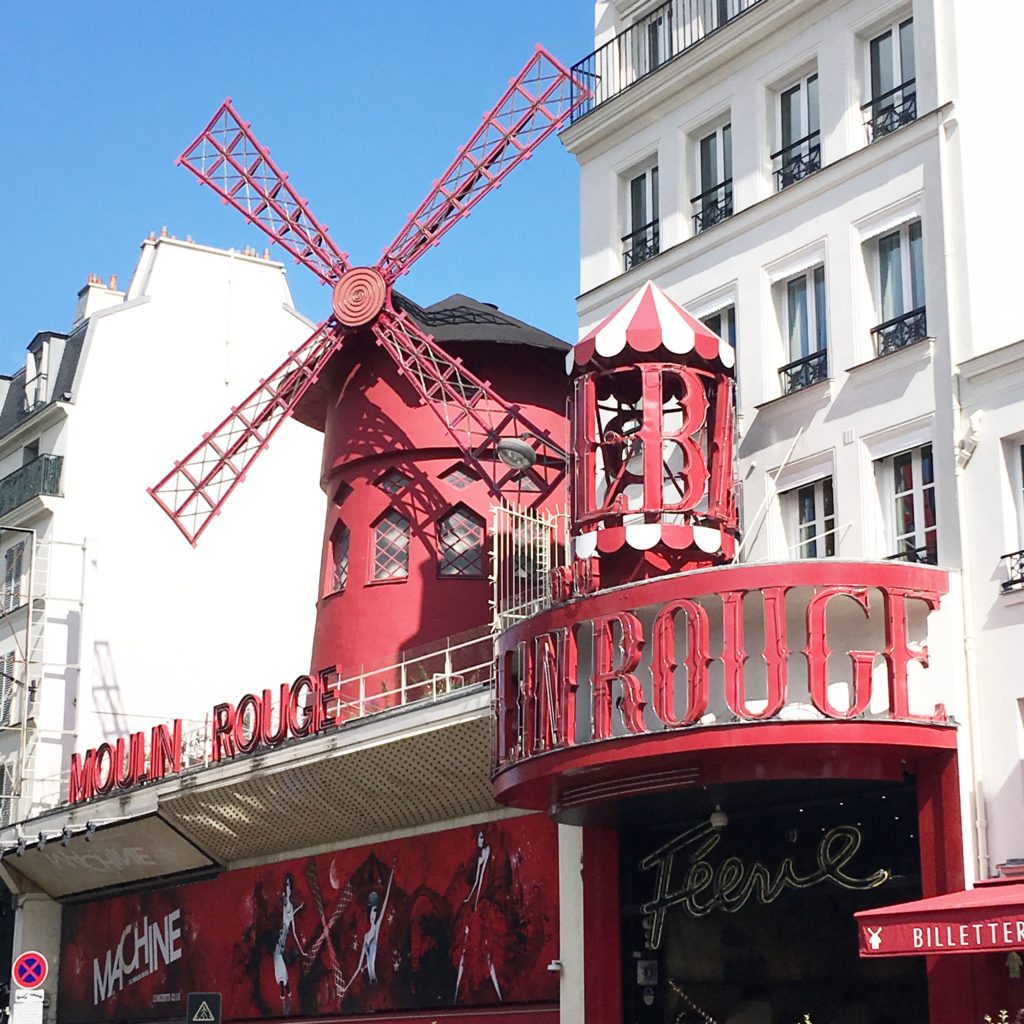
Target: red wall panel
x=462 y=918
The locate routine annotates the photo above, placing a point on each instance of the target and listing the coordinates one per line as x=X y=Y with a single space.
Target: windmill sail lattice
x=228 y=157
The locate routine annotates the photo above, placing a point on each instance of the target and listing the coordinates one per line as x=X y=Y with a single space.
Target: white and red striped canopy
x=648 y=321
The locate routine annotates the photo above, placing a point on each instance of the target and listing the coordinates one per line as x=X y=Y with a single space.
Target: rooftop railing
x=40 y=476
x=650 y=43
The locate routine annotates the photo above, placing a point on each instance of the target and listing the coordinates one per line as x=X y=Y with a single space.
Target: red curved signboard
x=682 y=661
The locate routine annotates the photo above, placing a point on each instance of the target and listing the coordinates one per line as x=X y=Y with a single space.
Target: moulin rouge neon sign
x=306 y=707
x=542 y=677
x=636 y=638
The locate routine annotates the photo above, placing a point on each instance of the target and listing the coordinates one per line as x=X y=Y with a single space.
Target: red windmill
x=494 y=436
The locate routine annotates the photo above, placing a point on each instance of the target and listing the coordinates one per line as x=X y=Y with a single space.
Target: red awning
x=988 y=919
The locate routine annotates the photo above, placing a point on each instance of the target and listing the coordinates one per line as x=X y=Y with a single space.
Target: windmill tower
x=420 y=438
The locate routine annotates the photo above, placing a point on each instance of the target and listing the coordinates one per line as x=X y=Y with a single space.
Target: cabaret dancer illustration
x=478 y=931
x=375 y=915
x=288 y=912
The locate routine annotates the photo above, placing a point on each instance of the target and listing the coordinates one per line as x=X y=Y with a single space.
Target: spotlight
x=65 y=835
x=20 y=848
x=515 y=453
x=90 y=830
x=719 y=819
x=42 y=840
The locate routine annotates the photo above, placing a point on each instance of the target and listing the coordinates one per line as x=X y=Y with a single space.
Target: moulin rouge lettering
x=142 y=949
x=305 y=707
x=539 y=676
x=124 y=763
x=732 y=883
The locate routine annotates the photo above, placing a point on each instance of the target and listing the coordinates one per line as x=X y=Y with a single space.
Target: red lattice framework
x=228 y=158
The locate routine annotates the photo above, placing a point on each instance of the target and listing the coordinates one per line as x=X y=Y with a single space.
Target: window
x=394 y=481
x=900 y=290
x=893 y=101
x=35 y=374
x=811 y=519
x=8 y=679
x=30 y=452
x=910 y=480
x=340 y=539
x=723 y=323
x=460 y=536
x=14 y=570
x=799 y=133
x=6 y=793
x=640 y=243
x=714 y=173
x=806 y=336
x=391 y=547
x=1013 y=562
x=460 y=477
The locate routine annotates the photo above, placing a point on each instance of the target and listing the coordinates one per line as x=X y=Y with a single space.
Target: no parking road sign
x=30 y=969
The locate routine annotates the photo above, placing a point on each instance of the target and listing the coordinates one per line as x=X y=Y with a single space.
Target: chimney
x=96 y=296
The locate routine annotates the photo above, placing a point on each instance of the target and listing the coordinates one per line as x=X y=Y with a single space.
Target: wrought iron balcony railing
x=1014 y=571
x=927 y=554
x=900 y=331
x=713 y=206
x=639 y=246
x=891 y=110
x=40 y=476
x=802 y=373
x=797 y=160
x=648 y=44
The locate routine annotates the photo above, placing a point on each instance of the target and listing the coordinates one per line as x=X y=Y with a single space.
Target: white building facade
x=808 y=178
x=111 y=623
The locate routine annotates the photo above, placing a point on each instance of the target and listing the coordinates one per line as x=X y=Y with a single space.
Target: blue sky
x=363 y=104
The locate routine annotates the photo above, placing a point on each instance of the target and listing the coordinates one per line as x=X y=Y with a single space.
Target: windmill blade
x=472 y=412
x=538 y=101
x=193 y=492
x=229 y=158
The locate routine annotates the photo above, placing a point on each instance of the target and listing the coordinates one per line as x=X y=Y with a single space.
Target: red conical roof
x=648 y=321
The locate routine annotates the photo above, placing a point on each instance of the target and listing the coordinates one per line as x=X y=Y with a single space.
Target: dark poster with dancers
x=466 y=917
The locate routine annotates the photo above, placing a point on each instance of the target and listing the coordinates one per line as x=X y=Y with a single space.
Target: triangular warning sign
x=204 y=1014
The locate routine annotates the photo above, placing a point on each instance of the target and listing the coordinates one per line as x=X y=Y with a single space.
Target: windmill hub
x=359 y=296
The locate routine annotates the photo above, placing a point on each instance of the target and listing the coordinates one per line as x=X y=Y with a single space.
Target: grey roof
x=12 y=407
x=460 y=318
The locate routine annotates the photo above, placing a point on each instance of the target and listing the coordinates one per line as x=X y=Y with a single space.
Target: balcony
x=892 y=110
x=901 y=331
x=713 y=206
x=802 y=373
x=797 y=160
x=651 y=42
x=1014 y=571
x=40 y=476
x=640 y=246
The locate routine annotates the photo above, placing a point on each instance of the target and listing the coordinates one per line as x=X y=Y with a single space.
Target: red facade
x=456 y=919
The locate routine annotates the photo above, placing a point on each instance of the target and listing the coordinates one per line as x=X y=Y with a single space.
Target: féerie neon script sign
x=730 y=885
